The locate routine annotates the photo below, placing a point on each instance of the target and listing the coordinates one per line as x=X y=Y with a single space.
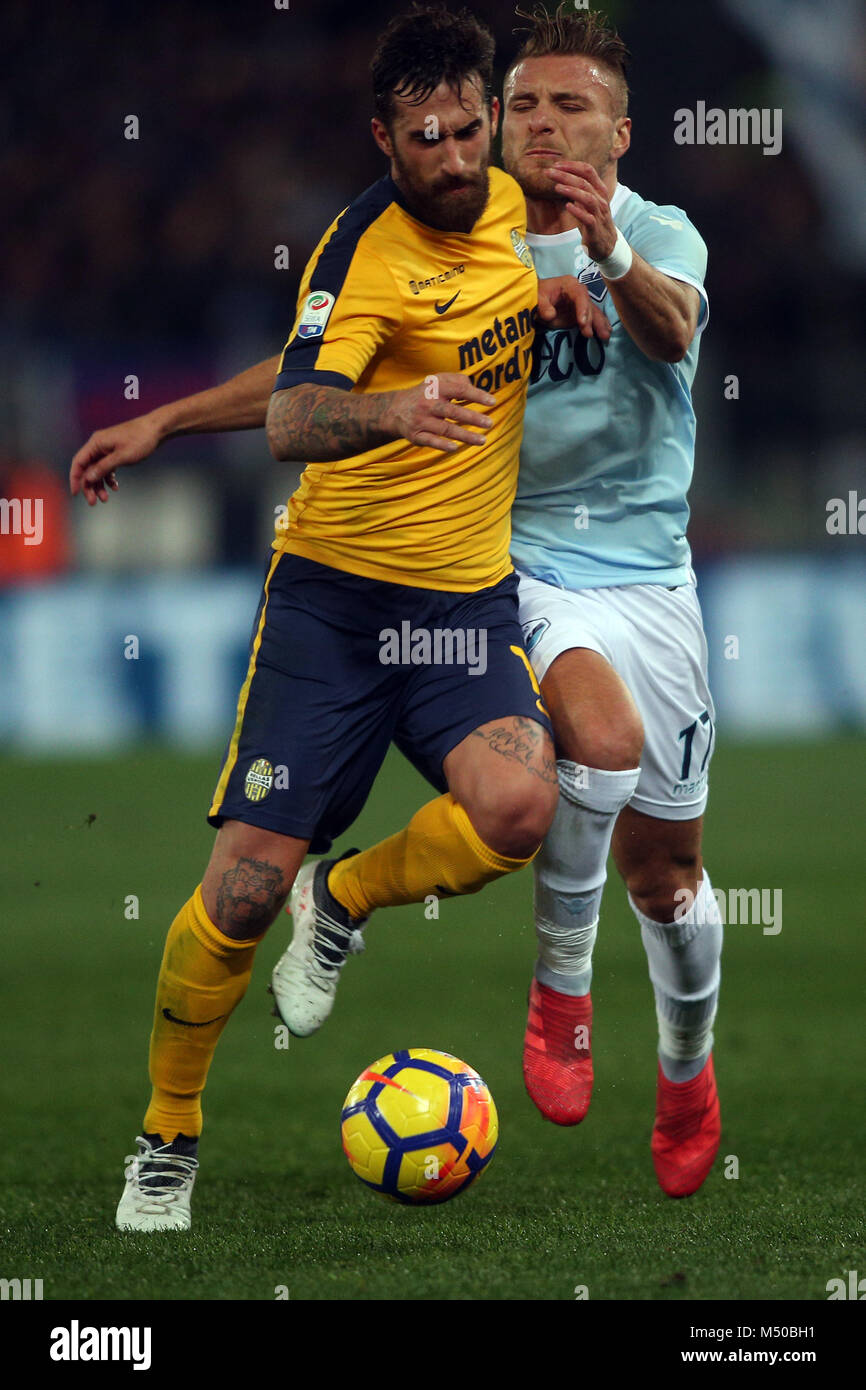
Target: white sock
x=685 y=972
x=570 y=871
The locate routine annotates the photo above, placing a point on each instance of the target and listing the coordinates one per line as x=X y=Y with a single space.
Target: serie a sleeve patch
x=315 y=314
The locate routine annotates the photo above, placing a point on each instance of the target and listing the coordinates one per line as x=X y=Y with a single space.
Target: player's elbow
x=681 y=331
x=668 y=352
x=677 y=342
x=277 y=446
x=668 y=341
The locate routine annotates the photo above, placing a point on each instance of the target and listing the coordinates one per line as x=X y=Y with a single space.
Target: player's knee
x=657 y=889
x=248 y=878
x=243 y=920
x=243 y=895
x=513 y=820
x=613 y=747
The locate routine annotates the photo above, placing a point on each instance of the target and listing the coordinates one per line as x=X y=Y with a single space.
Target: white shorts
x=654 y=639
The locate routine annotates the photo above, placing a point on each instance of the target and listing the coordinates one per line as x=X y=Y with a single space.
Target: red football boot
x=687 y=1130
x=557 y=1057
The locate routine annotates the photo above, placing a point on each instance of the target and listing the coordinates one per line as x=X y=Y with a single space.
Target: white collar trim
x=621 y=194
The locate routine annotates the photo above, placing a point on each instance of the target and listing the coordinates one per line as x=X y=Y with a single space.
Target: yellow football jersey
x=386 y=302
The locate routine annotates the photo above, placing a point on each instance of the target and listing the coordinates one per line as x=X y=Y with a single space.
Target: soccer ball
x=419 y=1126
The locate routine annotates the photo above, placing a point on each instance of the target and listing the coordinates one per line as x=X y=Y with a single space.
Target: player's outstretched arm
x=238 y=404
x=316 y=424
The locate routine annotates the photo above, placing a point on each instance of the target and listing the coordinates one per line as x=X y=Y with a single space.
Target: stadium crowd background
x=155 y=257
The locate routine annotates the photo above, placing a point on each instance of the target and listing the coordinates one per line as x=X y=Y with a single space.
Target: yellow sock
x=439 y=852
x=203 y=976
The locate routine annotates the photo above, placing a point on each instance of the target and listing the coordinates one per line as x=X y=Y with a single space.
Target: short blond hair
x=586 y=35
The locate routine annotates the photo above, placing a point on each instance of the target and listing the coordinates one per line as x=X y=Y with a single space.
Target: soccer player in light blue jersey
x=608 y=603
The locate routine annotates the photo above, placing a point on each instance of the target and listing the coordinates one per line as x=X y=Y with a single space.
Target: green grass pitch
x=276 y=1204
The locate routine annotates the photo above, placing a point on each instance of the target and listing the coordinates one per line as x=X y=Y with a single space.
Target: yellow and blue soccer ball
x=419 y=1126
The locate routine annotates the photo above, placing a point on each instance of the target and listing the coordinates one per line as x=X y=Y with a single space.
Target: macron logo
x=77 y=1343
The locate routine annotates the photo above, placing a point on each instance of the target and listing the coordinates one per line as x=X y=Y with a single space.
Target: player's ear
x=622 y=138
x=382 y=138
x=494 y=115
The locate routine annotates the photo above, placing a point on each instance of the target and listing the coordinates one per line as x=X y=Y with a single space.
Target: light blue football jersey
x=608 y=437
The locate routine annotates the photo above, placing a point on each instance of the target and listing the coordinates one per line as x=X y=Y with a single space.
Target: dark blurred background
x=154 y=258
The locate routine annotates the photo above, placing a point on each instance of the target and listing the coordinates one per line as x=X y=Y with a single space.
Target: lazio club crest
x=588 y=274
x=521 y=250
x=533 y=631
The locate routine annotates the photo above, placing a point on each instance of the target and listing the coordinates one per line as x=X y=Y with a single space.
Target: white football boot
x=305 y=978
x=159 y=1183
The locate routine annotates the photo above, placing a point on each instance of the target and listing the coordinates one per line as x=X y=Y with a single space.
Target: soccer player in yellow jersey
x=389 y=608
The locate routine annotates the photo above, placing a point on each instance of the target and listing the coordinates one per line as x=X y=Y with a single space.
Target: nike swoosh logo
x=443 y=308
x=167 y=1013
x=369 y=1075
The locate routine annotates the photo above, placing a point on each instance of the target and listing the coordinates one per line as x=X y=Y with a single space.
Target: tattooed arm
x=319 y=423
x=315 y=424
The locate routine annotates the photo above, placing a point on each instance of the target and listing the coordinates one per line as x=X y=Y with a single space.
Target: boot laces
x=156 y=1171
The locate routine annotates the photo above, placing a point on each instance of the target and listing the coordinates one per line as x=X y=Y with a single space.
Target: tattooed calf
x=249 y=898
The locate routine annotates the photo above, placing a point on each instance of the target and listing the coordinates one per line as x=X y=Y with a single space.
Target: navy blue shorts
x=341 y=666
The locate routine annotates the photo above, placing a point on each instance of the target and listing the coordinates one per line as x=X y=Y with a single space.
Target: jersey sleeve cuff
x=288 y=378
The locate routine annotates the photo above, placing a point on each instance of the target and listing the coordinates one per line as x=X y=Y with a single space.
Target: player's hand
x=428 y=414
x=563 y=302
x=93 y=467
x=588 y=203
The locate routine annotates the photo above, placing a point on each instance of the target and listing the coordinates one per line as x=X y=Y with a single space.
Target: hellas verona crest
x=259 y=780
x=316 y=312
x=521 y=250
